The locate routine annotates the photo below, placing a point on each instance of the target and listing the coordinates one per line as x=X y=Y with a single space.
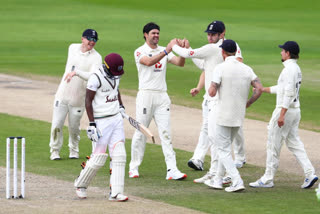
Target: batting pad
x=88 y=173
x=118 y=169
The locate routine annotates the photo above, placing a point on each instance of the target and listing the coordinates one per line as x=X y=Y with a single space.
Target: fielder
x=206 y=58
x=233 y=80
x=284 y=123
x=69 y=99
x=153 y=101
x=103 y=105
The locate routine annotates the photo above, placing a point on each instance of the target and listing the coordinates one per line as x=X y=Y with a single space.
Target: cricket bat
x=139 y=126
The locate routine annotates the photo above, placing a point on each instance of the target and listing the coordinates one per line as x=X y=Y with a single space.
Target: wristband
x=92 y=124
x=165 y=52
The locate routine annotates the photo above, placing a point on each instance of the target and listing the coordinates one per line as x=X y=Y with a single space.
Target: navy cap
x=291 y=46
x=229 y=46
x=90 y=33
x=215 y=27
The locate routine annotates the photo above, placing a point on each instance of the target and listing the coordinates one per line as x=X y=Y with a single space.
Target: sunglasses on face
x=91 y=39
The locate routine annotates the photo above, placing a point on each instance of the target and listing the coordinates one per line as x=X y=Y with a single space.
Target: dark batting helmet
x=113 y=65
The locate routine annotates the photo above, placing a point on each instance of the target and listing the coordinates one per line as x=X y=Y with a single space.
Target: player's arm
x=177 y=60
x=195 y=91
x=89 y=98
x=213 y=89
x=256 y=84
x=199 y=53
x=149 y=61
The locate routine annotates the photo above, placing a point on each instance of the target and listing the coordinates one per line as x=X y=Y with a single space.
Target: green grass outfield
x=285 y=197
x=36 y=35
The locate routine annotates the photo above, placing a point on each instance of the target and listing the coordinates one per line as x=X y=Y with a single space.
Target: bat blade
x=139 y=126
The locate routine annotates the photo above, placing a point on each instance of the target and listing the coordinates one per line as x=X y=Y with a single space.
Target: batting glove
x=93 y=132
x=122 y=110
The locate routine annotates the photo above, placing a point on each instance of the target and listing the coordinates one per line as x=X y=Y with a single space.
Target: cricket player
x=284 y=123
x=233 y=80
x=206 y=58
x=153 y=101
x=70 y=96
x=103 y=105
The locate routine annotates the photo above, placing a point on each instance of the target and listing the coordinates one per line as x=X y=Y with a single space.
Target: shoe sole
x=261 y=186
x=191 y=165
x=56 y=159
x=311 y=183
x=238 y=190
x=178 y=179
x=135 y=176
x=115 y=200
x=73 y=158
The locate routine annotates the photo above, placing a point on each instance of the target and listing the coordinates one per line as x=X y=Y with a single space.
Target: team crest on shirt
x=138 y=54
x=191 y=53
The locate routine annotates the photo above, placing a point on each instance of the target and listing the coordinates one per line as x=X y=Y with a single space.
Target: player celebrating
x=206 y=58
x=103 y=105
x=233 y=80
x=284 y=123
x=69 y=99
x=153 y=101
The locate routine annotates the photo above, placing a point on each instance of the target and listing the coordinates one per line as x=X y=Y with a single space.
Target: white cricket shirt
x=288 y=86
x=74 y=92
x=105 y=102
x=152 y=77
x=235 y=80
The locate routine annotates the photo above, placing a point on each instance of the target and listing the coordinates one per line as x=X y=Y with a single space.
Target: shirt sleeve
x=289 y=88
x=216 y=75
x=274 y=89
x=199 y=63
x=93 y=82
x=85 y=75
x=138 y=54
x=238 y=53
x=199 y=53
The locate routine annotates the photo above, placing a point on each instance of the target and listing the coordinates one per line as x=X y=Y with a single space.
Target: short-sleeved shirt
x=235 y=80
x=74 y=92
x=105 y=102
x=152 y=77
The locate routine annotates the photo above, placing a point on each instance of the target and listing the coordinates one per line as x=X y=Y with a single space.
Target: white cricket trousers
x=60 y=112
x=288 y=133
x=204 y=141
x=223 y=137
x=156 y=105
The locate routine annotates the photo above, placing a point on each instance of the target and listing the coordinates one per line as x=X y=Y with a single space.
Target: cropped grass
x=37 y=34
x=285 y=197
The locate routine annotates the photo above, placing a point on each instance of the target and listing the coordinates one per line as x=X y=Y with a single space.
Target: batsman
x=103 y=104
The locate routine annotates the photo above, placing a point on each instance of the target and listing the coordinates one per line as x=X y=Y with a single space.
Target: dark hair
x=294 y=56
x=148 y=27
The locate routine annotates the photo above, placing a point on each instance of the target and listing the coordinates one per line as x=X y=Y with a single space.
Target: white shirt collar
x=149 y=49
x=289 y=61
x=230 y=58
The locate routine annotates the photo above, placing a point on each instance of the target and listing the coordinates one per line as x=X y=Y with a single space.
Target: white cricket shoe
x=175 y=174
x=260 y=184
x=73 y=155
x=195 y=164
x=81 y=192
x=226 y=180
x=214 y=183
x=239 y=164
x=55 y=155
x=309 y=181
x=118 y=198
x=235 y=187
x=133 y=174
x=201 y=180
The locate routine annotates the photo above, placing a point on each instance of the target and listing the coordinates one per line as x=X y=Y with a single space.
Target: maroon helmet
x=114 y=65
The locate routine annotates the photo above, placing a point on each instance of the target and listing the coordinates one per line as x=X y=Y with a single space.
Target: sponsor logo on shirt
x=158 y=66
x=191 y=53
x=109 y=100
